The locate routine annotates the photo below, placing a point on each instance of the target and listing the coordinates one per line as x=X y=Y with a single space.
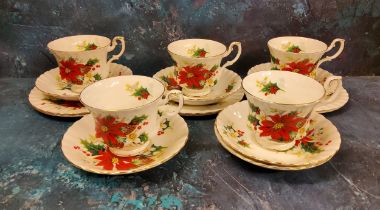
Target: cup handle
x=332 y=85
x=230 y=48
x=332 y=45
x=113 y=45
x=166 y=100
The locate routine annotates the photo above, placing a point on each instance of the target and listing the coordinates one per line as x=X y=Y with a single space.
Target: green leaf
x=97 y=77
x=214 y=68
x=138 y=119
x=252 y=119
x=159 y=113
x=215 y=82
x=143 y=137
x=92 y=62
x=310 y=147
x=92 y=148
x=274 y=68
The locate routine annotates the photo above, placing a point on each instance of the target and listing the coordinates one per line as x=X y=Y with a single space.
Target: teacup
x=303 y=55
x=125 y=109
x=82 y=59
x=198 y=63
x=281 y=103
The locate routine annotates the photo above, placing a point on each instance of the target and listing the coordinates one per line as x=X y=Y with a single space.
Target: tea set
x=132 y=123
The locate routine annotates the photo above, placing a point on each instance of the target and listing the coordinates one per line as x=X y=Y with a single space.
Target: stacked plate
x=226 y=92
x=236 y=136
x=50 y=98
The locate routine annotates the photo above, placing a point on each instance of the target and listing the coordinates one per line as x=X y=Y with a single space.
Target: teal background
x=149 y=26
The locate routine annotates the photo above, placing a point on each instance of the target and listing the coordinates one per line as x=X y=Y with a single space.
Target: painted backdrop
x=27 y=26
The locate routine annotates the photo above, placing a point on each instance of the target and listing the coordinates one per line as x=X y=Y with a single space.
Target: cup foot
x=273 y=145
x=195 y=92
x=130 y=150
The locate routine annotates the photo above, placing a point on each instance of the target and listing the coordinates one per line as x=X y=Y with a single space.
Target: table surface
x=34 y=173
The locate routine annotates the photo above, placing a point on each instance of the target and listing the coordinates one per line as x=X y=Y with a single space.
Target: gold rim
x=131 y=171
x=304 y=53
x=261 y=164
x=272 y=102
x=221 y=54
x=55 y=114
x=272 y=162
x=71 y=51
x=128 y=109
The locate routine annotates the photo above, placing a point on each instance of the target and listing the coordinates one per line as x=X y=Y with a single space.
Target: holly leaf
x=92 y=148
x=97 y=77
x=138 y=119
x=310 y=147
x=143 y=137
x=92 y=62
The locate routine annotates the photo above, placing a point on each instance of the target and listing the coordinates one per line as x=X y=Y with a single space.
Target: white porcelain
x=262 y=164
x=228 y=84
x=330 y=102
x=81 y=147
x=197 y=63
x=306 y=59
x=50 y=83
x=202 y=110
x=320 y=143
x=55 y=107
x=282 y=102
x=82 y=59
x=125 y=110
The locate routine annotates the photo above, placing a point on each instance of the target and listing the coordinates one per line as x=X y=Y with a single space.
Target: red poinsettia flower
x=71 y=71
x=193 y=76
x=279 y=127
x=306 y=138
x=108 y=161
x=302 y=67
x=109 y=129
x=274 y=89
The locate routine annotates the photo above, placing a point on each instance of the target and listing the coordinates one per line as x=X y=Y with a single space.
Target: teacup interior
x=185 y=47
x=283 y=87
x=79 y=43
x=122 y=92
x=306 y=45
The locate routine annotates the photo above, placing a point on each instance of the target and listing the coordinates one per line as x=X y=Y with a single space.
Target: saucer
x=202 y=110
x=321 y=143
x=228 y=84
x=85 y=151
x=47 y=82
x=257 y=163
x=55 y=107
x=339 y=100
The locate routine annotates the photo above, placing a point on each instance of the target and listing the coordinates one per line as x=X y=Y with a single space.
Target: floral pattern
x=102 y=156
x=293 y=48
x=197 y=52
x=285 y=128
x=115 y=132
x=196 y=77
x=304 y=67
x=87 y=46
x=230 y=87
x=73 y=72
x=171 y=82
x=237 y=135
x=138 y=90
x=279 y=127
x=267 y=87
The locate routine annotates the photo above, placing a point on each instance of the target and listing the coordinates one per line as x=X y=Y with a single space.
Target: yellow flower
x=210 y=81
x=132 y=136
x=89 y=75
x=233 y=135
x=302 y=130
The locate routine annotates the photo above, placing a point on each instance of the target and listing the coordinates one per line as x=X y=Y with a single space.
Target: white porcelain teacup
x=198 y=62
x=303 y=55
x=82 y=59
x=280 y=106
x=125 y=109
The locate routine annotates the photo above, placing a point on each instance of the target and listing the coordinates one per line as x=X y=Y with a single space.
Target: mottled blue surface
x=149 y=26
x=35 y=175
